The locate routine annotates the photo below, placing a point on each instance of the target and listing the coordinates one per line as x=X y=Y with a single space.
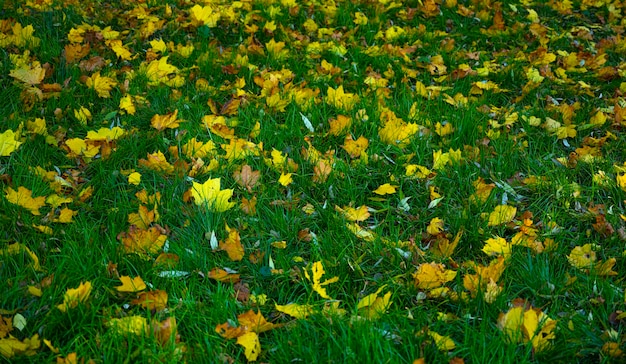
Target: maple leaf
x=247 y=178
x=340 y=99
x=222 y=275
x=11 y=346
x=157 y=162
x=167 y=121
x=232 y=245
x=131 y=285
x=23 y=197
x=161 y=72
x=317 y=272
x=385 y=189
x=254 y=321
x=101 y=84
x=528 y=325
x=143 y=218
x=204 y=15
x=30 y=74
x=285 y=179
x=372 y=306
x=143 y=241
x=432 y=275
x=352 y=214
x=582 y=257
x=152 y=300
x=9 y=143
x=355 y=148
x=484 y=275
x=252 y=345
x=435 y=226
x=339 y=125
x=209 y=194
x=497 y=246
x=74 y=296
x=502 y=214
x=295 y=310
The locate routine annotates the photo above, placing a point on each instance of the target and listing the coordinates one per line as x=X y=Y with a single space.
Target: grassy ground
x=312 y=181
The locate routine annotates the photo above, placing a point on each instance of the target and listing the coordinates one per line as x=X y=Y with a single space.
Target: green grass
x=556 y=187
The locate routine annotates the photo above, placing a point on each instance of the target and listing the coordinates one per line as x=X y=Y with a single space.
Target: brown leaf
x=603 y=227
x=242 y=292
x=92 y=64
x=248 y=206
x=247 y=178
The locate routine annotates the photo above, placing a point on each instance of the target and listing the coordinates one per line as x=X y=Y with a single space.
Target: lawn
x=424 y=181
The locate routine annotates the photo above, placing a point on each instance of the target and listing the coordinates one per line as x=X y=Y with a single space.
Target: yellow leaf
x=351 y=214
x=105 y=134
x=158 y=45
x=35 y=291
x=126 y=104
x=161 y=72
x=16 y=248
x=432 y=275
x=23 y=197
x=167 y=121
x=285 y=179
x=582 y=257
x=501 y=214
x=55 y=200
x=435 y=226
x=101 y=84
x=30 y=74
x=444 y=343
x=10 y=347
x=598 y=118
x=295 y=310
x=372 y=306
x=134 y=178
x=497 y=246
x=65 y=216
x=209 y=194
x=318 y=271
x=8 y=143
x=74 y=296
x=385 y=189
x=355 y=147
x=135 y=325
x=119 y=49
x=131 y=285
x=204 y=15
x=251 y=344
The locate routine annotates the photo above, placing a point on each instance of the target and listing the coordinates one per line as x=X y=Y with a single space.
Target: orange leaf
x=223 y=276
x=232 y=246
x=255 y=322
x=138 y=240
x=152 y=300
